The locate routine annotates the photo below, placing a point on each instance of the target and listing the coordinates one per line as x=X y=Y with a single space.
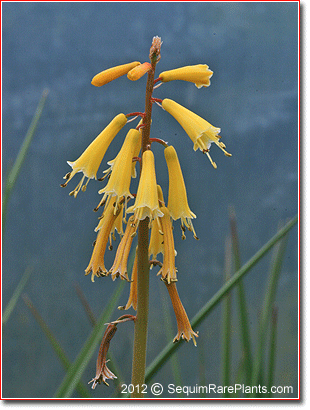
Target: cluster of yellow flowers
x=148 y=201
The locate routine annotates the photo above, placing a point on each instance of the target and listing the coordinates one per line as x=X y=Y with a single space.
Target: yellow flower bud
x=112 y=73
x=198 y=74
x=139 y=71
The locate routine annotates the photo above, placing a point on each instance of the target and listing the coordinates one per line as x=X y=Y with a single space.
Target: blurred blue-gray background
x=252 y=47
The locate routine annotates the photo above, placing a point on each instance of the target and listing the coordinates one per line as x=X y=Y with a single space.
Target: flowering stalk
x=149 y=210
x=140 y=334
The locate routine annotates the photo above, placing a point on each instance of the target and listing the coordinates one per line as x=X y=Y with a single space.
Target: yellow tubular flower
x=139 y=71
x=184 y=327
x=198 y=74
x=133 y=165
x=177 y=197
x=160 y=196
x=118 y=224
x=119 y=267
x=120 y=178
x=105 y=227
x=133 y=294
x=168 y=271
x=200 y=131
x=156 y=245
x=112 y=73
x=146 y=203
x=90 y=160
x=136 y=155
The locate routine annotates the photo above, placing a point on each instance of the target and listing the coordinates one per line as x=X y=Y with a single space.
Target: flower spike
x=198 y=74
x=112 y=73
x=90 y=160
x=200 y=131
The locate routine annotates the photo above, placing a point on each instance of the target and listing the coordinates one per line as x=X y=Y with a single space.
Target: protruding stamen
x=222 y=146
x=208 y=155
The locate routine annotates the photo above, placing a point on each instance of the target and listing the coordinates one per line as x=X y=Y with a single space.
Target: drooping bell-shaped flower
x=198 y=74
x=168 y=270
x=102 y=371
x=120 y=178
x=177 y=197
x=135 y=155
x=184 y=327
x=133 y=294
x=119 y=267
x=156 y=245
x=146 y=203
x=112 y=73
x=137 y=72
x=200 y=131
x=90 y=160
x=105 y=228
